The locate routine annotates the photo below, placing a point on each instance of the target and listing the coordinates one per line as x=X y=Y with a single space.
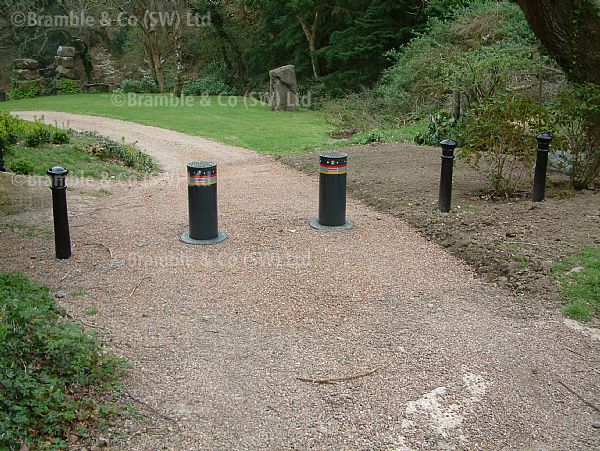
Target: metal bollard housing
x=541 y=165
x=333 y=170
x=202 y=204
x=2 y=167
x=62 y=239
x=445 y=195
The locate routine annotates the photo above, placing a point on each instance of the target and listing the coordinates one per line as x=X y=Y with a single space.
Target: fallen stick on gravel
x=593 y=406
x=335 y=380
x=136 y=287
x=101 y=245
x=139 y=401
x=65 y=276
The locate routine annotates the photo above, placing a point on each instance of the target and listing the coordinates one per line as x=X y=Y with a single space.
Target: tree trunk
x=570 y=30
x=153 y=53
x=177 y=90
x=311 y=37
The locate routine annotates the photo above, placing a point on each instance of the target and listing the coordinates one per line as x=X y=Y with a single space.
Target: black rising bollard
x=202 y=202
x=541 y=165
x=445 y=196
x=62 y=240
x=2 y=168
x=332 y=192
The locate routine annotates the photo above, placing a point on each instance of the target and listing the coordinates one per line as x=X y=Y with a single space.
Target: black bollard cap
x=544 y=141
x=202 y=173
x=448 y=144
x=333 y=157
x=333 y=163
x=58 y=175
x=57 y=171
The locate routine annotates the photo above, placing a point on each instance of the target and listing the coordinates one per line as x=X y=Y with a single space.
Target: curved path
x=219 y=336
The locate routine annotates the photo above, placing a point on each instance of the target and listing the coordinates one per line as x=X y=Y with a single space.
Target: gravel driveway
x=219 y=337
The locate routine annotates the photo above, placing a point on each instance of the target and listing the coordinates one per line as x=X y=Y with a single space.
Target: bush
x=357 y=112
x=22 y=167
x=51 y=369
x=24 y=90
x=143 y=86
x=60 y=136
x=107 y=149
x=211 y=84
x=68 y=86
x=478 y=49
x=577 y=116
x=441 y=126
x=501 y=132
x=10 y=129
x=38 y=133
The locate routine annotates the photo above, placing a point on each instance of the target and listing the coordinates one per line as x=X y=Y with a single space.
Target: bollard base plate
x=314 y=223
x=222 y=236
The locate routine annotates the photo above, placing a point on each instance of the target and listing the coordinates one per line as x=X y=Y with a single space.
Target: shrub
x=478 y=49
x=10 y=129
x=51 y=369
x=441 y=126
x=22 y=167
x=501 y=132
x=68 y=86
x=107 y=149
x=24 y=90
x=143 y=86
x=60 y=136
x=358 y=112
x=211 y=84
x=577 y=116
x=38 y=133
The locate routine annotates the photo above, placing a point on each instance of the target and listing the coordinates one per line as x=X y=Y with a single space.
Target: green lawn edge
x=234 y=120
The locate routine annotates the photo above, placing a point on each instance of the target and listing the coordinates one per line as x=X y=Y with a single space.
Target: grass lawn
x=79 y=163
x=581 y=283
x=245 y=123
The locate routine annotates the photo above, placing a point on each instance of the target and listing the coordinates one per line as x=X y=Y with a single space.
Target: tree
x=570 y=31
x=355 y=55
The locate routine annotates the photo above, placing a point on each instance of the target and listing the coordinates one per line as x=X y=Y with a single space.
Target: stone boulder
x=65 y=72
x=27 y=74
x=69 y=52
x=283 y=89
x=26 y=64
x=97 y=87
x=63 y=61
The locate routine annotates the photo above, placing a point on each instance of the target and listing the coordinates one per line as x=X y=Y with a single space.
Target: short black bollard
x=2 y=168
x=333 y=172
x=202 y=202
x=445 y=196
x=62 y=240
x=541 y=165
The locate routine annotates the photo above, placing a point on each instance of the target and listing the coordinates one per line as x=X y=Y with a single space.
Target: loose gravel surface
x=432 y=356
x=511 y=242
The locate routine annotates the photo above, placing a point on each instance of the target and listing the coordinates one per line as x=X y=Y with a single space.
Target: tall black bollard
x=62 y=240
x=541 y=165
x=2 y=168
x=445 y=196
x=202 y=203
x=332 y=192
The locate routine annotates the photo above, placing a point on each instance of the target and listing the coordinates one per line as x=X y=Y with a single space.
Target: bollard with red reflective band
x=333 y=170
x=202 y=203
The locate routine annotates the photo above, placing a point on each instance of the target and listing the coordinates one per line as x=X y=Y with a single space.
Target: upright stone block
x=283 y=89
